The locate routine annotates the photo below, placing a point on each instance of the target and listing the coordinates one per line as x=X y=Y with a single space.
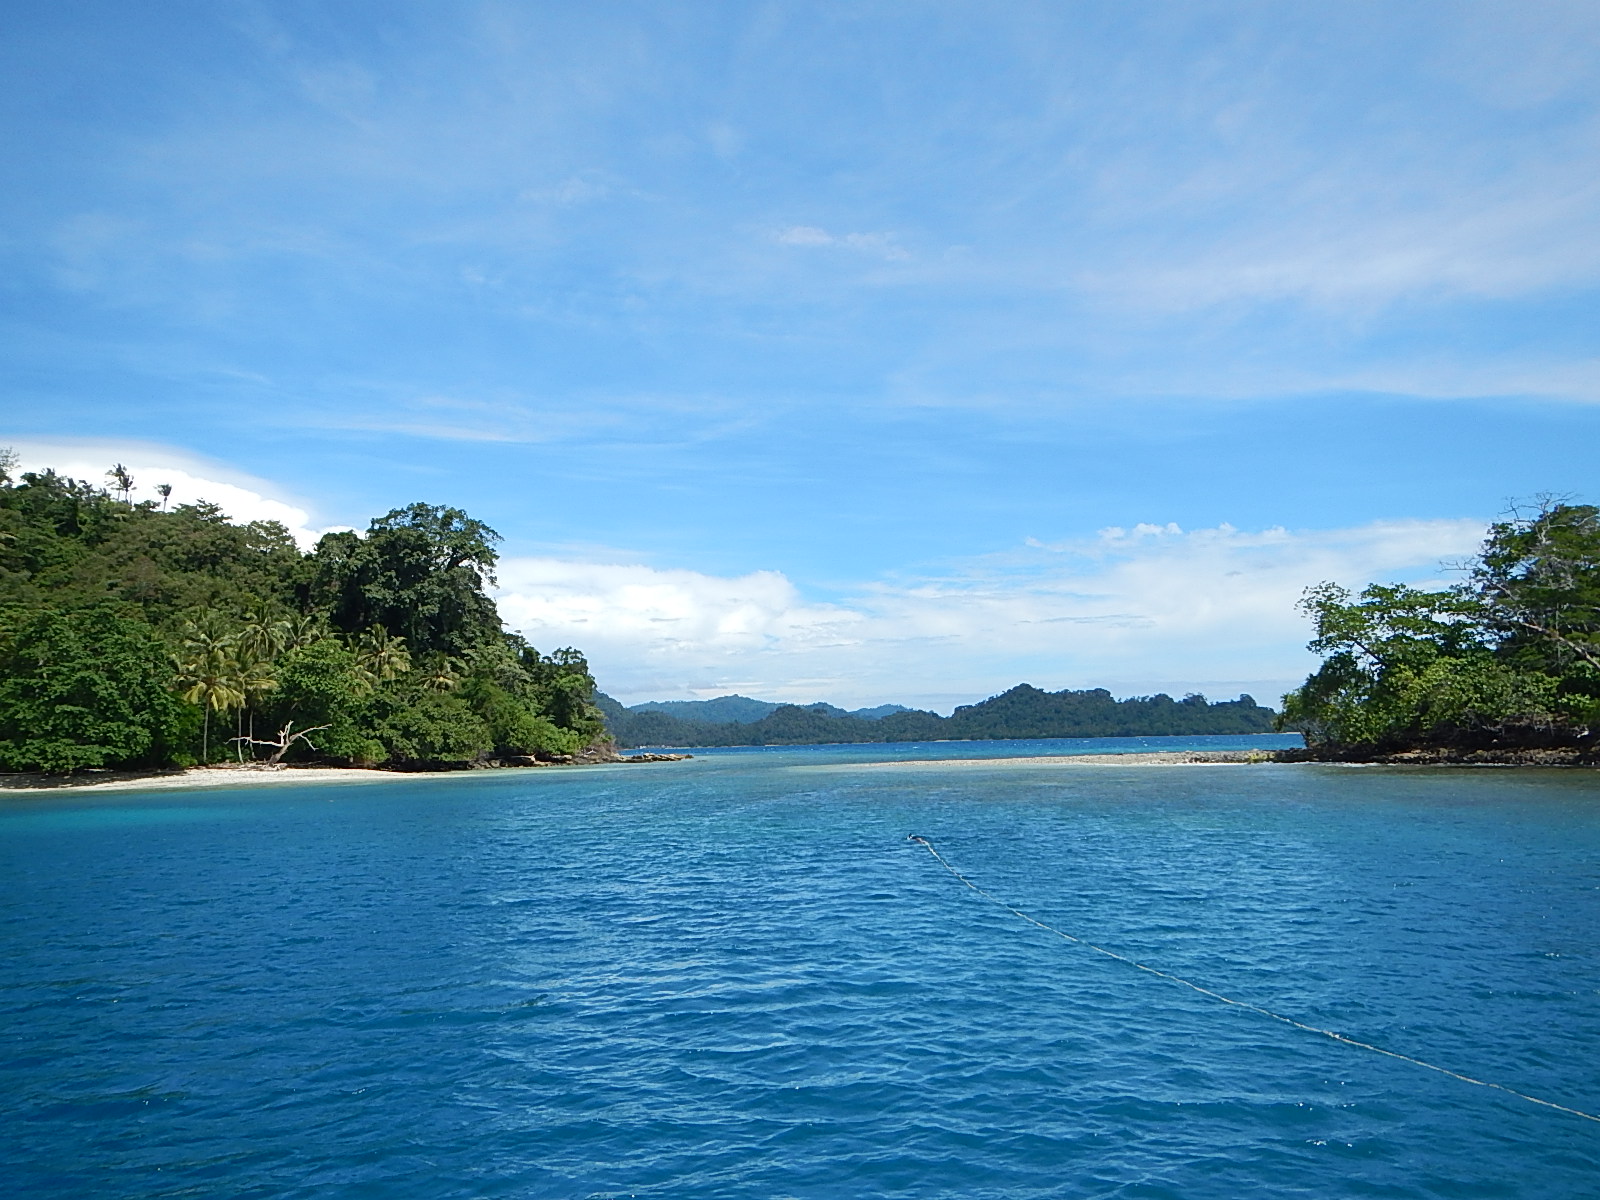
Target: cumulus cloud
x=645 y=627
x=242 y=497
x=1150 y=602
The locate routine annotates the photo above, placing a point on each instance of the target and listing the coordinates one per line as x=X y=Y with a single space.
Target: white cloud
x=881 y=245
x=1148 y=603
x=661 y=627
x=806 y=235
x=242 y=497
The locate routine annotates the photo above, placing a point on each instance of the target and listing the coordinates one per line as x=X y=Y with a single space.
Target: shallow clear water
x=734 y=977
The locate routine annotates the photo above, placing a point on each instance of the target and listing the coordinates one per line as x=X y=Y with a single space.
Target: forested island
x=1022 y=712
x=1502 y=667
x=137 y=636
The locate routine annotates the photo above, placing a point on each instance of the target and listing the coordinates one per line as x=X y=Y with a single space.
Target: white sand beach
x=258 y=776
x=197 y=777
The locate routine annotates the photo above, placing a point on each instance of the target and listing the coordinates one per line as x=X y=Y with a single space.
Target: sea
x=736 y=976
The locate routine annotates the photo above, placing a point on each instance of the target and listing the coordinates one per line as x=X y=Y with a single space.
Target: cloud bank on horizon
x=807 y=348
x=1141 y=610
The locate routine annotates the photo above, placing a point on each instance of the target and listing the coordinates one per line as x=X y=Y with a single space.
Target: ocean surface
x=735 y=977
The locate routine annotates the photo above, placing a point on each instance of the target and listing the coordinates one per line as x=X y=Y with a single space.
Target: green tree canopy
x=1510 y=657
x=132 y=631
x=86 y=688
x=1538 y=582
x=419 y=573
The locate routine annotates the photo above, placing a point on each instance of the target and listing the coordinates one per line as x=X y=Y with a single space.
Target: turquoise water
x=734 y=977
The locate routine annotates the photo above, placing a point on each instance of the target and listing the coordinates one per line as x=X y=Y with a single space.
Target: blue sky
x=853 y=351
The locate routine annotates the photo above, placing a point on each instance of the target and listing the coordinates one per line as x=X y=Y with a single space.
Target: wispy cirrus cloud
x=1135 y=204
x=878 y=245
x=1476 y=239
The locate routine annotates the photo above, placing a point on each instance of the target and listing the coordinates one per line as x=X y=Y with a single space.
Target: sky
x=867 y=352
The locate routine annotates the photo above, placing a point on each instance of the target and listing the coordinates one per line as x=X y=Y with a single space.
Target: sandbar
x=1139 y=758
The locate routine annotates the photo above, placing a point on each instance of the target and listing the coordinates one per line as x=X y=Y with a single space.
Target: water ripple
x=736 y=979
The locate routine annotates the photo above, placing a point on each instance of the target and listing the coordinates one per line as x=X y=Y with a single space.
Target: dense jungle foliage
x=1022 y=712
x=134 y=636
x=1508 y=659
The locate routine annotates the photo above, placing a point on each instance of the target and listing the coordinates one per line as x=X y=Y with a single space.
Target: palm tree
x=257 y=645
x=123 y=481
x=210 y=679
x=205 y=634
x=164 y=490
x=381 y=657
x=264 y=636
x=253 y=674
x=441 y=673
x=301 y=629
x=208 y=674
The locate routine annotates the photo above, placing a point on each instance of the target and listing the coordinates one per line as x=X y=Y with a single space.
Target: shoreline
x=183 y=778
x=1517 y=760
x=186 y=778
x=30 y=783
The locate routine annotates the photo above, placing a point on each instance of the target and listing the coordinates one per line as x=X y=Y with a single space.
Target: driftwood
x=287 y=736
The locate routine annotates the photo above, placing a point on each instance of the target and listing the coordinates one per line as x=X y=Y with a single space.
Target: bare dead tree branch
x=287 y=736
x=1558 y=638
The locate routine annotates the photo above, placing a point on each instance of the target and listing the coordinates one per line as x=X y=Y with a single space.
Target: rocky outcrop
x=1446 y=756
x=593 y=755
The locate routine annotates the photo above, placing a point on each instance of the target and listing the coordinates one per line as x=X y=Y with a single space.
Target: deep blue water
x=734 y=977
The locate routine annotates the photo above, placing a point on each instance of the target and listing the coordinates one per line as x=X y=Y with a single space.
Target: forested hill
x=1022 y=712
x=134 y=636
x=741 y=710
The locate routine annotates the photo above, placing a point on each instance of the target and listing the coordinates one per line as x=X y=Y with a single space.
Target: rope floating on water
x=1255 y=1008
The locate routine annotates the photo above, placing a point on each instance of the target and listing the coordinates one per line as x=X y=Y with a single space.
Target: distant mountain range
x=741 y=710
x=1023 y=712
